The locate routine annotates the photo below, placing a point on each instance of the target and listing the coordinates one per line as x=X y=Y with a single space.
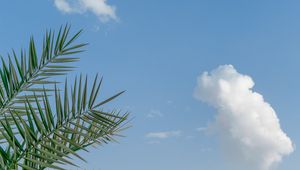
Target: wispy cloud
x=155 y=113
x=205 y=149
x=190 y=137
x=100 y=8
x=201 y=129
x=169 y=102
x=164 y=135
x=153 y=142
x=248 y=126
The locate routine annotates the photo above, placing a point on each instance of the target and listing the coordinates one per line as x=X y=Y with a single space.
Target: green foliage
x=41 y=126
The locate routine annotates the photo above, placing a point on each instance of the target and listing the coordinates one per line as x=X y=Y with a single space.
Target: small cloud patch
x=163 y=135
x=154 y=114
x=100 y=8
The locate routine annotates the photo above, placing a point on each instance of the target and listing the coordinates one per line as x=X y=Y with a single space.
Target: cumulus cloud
x=100 y=8
x=247 y=126
x=164 y=135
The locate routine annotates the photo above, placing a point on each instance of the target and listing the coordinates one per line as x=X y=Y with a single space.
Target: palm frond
x=46 y=137
x=20 y=76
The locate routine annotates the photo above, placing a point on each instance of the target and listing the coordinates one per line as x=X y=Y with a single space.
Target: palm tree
x=42 y=126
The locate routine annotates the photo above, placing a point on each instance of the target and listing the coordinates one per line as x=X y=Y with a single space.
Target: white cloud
x=155 y=113
x=63 y=6
x=247 y=126
x=100 y=8
x=164 y=135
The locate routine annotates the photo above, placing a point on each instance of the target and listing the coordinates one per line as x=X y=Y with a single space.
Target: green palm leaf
x=28 y=72
x=33 y=133
x=47 y=137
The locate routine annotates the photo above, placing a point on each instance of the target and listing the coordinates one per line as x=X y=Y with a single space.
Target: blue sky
x=156 y=50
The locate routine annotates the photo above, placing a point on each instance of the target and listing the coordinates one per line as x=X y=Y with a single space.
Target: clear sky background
x=156 y=49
